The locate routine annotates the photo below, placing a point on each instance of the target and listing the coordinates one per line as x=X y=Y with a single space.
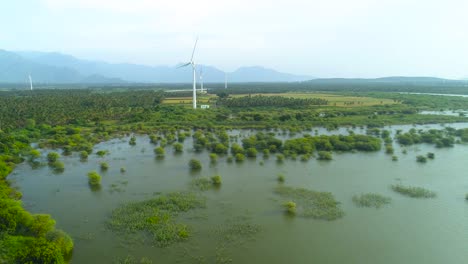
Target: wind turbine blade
x=193 y=52
x=183 y=65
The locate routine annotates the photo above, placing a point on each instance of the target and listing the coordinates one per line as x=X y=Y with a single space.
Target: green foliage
x=371 y=200
x=156 y=217
x=430 y=155
x=324 y=155
x=213 y=157
x=290 y=207
x=394 y=158
x=160 y=152
x=229 y=159
x=251 y=152
x=421 y=159
x=281 y=178
x=317 y=205
x=216 y=180
x=123 y=170
x=52 y=157
x=195 y=164
x=279 y=158
x=178 y=148
x=58 y=166
x=414 y=192
x=132 y=141
x=101 y=153
x=94 y=179
x=104 y=166
x=40 y=224
x=62 y=240
x=239 y=157
x=34 y=154
x=83 y=155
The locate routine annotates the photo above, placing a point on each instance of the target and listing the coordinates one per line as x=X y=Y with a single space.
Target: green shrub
x=160 y=152
x=251 y=152
x=430 y=155
x=101 y=153
x=94 y=179
x=415 y=192
x=62 y=240
x=394 y=158
x=290 y=207
x=213 y=157
x=240 y=157
x=195 y=164
x=279 y=158
x=132 y=141
x=421 y=159
x=58 y=166
x=104 y=166
x=324 y=155
x=52 y=157
x=83 y=155
x=178 y=148
x=371 y=200
x=281 y=178
x=123 y=170
x=216 y=180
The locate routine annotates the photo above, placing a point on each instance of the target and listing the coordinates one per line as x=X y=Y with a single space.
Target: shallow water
x=406 y=231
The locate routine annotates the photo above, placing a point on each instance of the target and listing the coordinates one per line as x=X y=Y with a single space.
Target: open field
x=333 y=99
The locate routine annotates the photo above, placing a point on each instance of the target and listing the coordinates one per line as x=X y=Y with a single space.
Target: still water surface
x=406 y=231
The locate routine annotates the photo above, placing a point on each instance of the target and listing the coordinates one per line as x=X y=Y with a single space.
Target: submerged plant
x=430 y=155
x=83 y=155
x=94 y=179
x=52 y=157
x=102 y=153
x=421 y=159
x=394 y=158
x=371 y=200
x=213 y=157
x=156 y=217
x=290 y=207
x=123 y=170
x=313 y=204
x=415 y=192
x=216 y=180
x=195 y=164
x=104 y=166
x=280 y=178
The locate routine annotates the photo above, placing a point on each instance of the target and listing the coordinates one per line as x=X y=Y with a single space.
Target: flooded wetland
x=359 y=207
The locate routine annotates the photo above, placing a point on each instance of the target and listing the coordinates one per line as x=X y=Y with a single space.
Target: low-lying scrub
x=313 y=204
x=156 y=217
x=371 y=200
x=415 y=192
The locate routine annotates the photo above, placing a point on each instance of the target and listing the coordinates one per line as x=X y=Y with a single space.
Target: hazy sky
x=326 y=38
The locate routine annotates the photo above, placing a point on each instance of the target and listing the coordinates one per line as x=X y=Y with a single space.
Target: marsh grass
x=414 y=192
x=156 y=217
x=371 y=200
x=313 y=204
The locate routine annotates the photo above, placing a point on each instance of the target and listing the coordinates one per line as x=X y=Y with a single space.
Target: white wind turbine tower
x=30 y=82
x=201 y=80
x=191 y=62
x=225 y=80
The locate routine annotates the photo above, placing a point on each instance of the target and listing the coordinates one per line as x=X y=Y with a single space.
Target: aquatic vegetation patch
x=313 y=204
x=156 y=217
x=371 y=200
x=290 y=207
x=415 y=192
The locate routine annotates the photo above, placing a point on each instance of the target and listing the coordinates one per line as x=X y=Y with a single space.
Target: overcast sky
x=326 y=38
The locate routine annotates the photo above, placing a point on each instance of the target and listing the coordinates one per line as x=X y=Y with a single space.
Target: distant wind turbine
x=30 y=82
x=191 y=62
x=201 y=79
x=225 y=80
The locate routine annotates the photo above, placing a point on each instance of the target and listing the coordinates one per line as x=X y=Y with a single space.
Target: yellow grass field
x=333 y=99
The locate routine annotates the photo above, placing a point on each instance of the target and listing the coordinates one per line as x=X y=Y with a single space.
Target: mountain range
x=53 y=67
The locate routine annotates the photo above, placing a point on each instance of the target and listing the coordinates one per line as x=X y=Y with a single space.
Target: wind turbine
x=191 y=62
x=201 y=79
x=225 y=80
x=30 y=82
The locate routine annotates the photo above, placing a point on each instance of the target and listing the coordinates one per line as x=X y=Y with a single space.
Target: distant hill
x=14 y=68
x=155 y=74
x=387 y=80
